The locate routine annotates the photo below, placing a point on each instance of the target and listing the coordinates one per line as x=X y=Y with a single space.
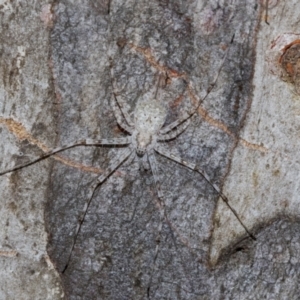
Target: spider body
x=149 y=117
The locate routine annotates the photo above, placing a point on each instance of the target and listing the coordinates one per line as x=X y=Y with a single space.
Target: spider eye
x=140 y=151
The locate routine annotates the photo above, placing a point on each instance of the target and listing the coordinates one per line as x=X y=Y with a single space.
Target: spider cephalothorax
x=149 y=117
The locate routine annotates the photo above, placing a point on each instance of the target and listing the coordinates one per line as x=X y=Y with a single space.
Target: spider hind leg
x=195 y=168
x=117 y=163
x=118 y=115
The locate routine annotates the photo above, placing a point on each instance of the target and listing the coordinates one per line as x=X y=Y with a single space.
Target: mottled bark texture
x=60 y=62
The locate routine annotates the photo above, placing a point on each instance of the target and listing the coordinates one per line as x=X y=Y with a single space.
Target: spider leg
x=153 y=165
x=194 y=167
x=130 y=159
x=154 y=169
x=123 y=110
x=175 y=132
x=117 y=163
x=120 y=102
x=186 y=115
x=118 y=115
x=176 y=123
x=87 y=142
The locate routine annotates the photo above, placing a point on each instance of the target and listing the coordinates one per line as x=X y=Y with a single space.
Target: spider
x=146 y=133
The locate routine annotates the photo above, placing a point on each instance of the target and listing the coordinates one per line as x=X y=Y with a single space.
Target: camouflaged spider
x=146 y=132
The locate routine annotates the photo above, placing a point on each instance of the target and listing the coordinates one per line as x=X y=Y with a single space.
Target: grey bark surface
x=56 y=66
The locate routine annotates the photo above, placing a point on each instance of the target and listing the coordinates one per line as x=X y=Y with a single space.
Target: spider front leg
x=87 y=142
x=120 y=103
x=174 y=132
x=118 y=115
x=186 y=115
x=174 y=124
x=194 y=167
x=117 y=163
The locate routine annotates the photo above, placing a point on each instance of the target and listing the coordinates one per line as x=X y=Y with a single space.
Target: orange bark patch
x=21 y=133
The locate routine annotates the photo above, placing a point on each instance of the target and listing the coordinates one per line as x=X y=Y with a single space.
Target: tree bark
x=61 y=63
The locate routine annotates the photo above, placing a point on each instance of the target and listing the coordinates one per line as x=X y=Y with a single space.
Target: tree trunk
x=62 y=65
